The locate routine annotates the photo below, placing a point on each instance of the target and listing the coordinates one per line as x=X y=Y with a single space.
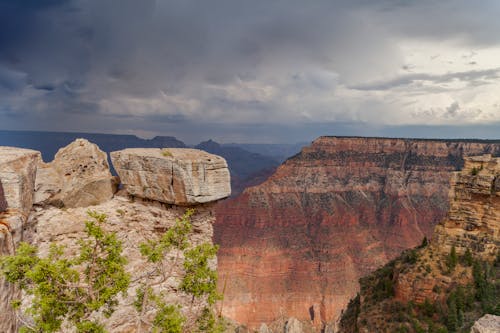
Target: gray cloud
x=154 y=66
x=471 y=77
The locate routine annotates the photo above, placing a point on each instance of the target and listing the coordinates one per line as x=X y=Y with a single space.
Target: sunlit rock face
x=79 y=180
x=472 y=223
x=78 y=176
x=176 y=175
x=297 y=244
x=17 y=182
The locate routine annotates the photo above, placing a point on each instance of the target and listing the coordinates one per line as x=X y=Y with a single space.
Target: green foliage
x=175 y=237
x=425 y=242
x=452 y=259
x=208 y=322
x=467 y=258
x=200 y=279
x=166 y=153
x=168 y=319
x=70 y=289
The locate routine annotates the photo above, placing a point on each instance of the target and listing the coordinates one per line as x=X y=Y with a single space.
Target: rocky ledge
x=44 y=203
x=175 y=175
x=17 y=180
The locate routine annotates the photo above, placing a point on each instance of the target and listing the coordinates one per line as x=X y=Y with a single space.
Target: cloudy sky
x=252 y=71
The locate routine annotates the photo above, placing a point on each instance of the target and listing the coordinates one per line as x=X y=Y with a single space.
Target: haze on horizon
x=252 y=71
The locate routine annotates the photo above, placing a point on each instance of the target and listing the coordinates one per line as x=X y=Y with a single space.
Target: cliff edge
x=446 y=285
x=44 y=203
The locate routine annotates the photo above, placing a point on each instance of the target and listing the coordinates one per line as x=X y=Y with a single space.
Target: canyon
x=296 y=245
x=452 y=281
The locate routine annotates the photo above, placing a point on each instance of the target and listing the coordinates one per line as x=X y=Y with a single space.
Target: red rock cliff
x=297 y=244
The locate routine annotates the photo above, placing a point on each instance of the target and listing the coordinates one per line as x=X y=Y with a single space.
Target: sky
x=255 y=71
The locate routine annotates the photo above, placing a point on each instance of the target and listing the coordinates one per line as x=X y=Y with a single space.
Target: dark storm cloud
x=125 y=64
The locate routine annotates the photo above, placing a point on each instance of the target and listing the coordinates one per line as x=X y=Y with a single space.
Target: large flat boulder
x=17 y=182
x=78 y=176
x=175 y=175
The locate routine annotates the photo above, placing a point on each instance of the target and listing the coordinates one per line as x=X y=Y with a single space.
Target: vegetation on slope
x=464 y=291
x=76 y=292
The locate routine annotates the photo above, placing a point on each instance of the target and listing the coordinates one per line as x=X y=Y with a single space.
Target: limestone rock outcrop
x=78 y=176
x=297 y=244
x=17 y=182
x=133 y=222
x=78 y=180
x=487 y=324
x=175 y=176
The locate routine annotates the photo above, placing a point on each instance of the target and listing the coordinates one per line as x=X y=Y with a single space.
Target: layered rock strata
x=78 y=176
x=473 y=223
x=17 y=182
x=297 y=244
x=417 y=289
x=174 y=175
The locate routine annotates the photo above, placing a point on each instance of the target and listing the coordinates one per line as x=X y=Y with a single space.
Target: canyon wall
x=449 y=283
x=297 y=244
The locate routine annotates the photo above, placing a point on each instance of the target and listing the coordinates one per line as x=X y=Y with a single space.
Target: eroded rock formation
x=17 y=179
x=427 y=287
x=297 y=244
x=78 y=176
x=78 y=180
x=176 y=176
x=473 y=223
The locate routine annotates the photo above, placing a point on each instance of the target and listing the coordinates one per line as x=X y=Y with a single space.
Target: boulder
x=264 y=329
x=487 y=324
x=78 y=176
x=175 y=175
x=17 y=182
x=293 y=325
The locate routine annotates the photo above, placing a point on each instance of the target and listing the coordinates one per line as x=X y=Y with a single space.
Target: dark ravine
x=297 y=244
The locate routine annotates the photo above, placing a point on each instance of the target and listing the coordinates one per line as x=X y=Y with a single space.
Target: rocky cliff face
x=452 y=281
x=79 y=180
x=297 y=244
x=17 y=182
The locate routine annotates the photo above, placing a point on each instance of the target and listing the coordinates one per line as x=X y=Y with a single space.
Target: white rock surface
x=487 y=324
x=175 y=175
x=17 y=177
x=293 y=325
x=134 y=222
x=78 y=176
